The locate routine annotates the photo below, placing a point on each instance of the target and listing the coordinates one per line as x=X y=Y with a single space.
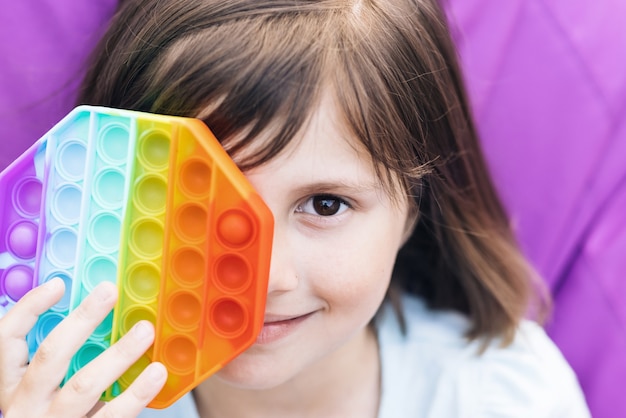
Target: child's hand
x=33 y=390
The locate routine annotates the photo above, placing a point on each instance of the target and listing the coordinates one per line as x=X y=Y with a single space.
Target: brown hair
x=245 y=65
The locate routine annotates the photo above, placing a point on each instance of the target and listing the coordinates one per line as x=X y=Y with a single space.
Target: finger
x=22 y=317
x=55 y=352
x=138 y=395
x=79 y=394
x=13 y=329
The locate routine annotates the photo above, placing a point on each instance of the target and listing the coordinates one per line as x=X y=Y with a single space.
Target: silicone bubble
x=99 y=269
x=87 y=352
x=22 y=239
x=191 y=222
x=151 y=194
x=108 y=188
x=47 y=322
x=143 y=281
x=184 y=310
x=66 y=204
x=64 y=303
x=135 y=314
x=103 y=330
x=154 y=149
x=179 y=354
x=27 y=197
x=104 y=232
x=70 y=160
x=232 y=273
x=235 y=228
x=188 y=267
x=195 y=178
x=61 y=248
x=113 y=143
x=16 y=281
x=133 y=371
x=146 y=237
x=228 y=318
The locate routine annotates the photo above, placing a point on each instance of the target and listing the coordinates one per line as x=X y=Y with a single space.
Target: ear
x=411 y=221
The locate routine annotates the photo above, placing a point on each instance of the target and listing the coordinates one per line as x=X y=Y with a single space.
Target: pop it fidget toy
x=155 y=204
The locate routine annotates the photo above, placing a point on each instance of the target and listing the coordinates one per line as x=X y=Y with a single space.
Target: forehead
x=322 y=157
x=323 y=150
x=323 y=136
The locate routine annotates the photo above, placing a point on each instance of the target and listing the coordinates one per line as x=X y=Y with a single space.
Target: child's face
x=337 y=232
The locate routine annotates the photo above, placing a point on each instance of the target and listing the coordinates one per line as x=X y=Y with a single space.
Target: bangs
x=268 y=83
x=382 y=91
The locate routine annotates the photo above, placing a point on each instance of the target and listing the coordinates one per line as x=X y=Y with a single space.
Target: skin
x=335 y=269
x=33 y=390
x=337 y=233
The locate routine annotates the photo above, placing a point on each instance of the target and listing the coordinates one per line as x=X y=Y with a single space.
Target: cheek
x=354 y=276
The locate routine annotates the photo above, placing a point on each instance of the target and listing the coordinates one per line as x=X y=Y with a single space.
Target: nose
x=283 y=272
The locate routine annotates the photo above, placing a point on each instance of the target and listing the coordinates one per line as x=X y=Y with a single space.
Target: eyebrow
x=338 y=186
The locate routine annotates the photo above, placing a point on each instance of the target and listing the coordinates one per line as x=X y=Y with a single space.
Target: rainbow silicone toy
x=154 y=203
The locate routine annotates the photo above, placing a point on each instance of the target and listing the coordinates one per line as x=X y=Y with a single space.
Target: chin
x=253 y=374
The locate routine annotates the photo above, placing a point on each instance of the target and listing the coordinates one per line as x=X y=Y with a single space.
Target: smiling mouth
x=276 y=329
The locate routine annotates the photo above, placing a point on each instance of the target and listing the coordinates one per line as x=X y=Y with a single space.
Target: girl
x=396 y=288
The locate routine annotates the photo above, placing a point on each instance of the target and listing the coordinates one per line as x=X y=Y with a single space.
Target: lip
x=277 y=327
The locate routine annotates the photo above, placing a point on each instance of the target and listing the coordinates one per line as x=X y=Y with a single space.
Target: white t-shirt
x=432 y=372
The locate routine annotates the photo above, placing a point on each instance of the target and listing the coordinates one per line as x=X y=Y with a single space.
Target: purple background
x=548 y=83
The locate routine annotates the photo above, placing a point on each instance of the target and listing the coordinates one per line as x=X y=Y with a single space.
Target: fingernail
x=157 y=371
x=143 y=330
x=54 y=283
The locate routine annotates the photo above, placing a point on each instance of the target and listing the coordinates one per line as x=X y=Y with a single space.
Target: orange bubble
x=188 y=267
x=232 y=273
x=228 y=318
x=179 y=354
x=235 y=228
x=184 y=310
x=191 y=222
x=195 y=178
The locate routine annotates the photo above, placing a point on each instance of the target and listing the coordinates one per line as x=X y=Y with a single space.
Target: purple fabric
x=548 y=84
x=547 y=79
x=43 y=47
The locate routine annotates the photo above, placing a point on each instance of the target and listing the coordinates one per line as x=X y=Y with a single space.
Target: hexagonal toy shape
x=154 y=203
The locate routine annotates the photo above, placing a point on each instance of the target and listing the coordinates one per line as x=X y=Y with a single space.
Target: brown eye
x=326 y=205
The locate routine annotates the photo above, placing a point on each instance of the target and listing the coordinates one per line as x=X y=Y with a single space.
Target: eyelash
x=310 y=201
